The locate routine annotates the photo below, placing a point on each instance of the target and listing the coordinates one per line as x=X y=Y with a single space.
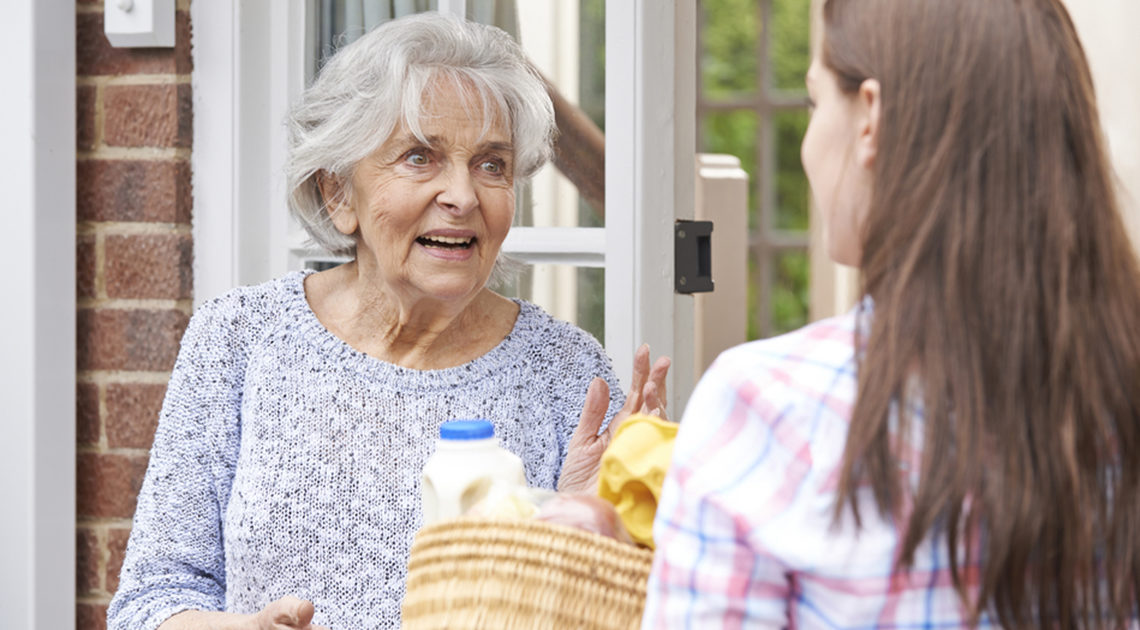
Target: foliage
x=729 y=58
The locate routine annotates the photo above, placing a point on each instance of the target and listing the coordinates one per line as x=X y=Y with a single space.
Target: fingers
x=288 y=612
x=654 y=403
x=303 y=614
x=657 y=377
x=640 y=376
x=579 y=469
x=593 y=410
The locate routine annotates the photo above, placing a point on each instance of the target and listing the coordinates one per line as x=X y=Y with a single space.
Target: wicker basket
x=470 y=574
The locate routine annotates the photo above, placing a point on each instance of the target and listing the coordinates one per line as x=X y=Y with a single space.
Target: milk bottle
x=468 y=462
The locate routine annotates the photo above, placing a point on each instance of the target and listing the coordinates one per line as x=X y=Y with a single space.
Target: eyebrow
x=499 y=146
x=434 y=141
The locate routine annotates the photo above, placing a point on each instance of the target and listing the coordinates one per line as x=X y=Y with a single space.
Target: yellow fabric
x=633 y=470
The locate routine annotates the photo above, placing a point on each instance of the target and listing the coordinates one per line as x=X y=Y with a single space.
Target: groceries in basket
x=470 y=474
x=529 y=558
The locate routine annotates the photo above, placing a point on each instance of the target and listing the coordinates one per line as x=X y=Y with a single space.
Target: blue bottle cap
x=466 y=430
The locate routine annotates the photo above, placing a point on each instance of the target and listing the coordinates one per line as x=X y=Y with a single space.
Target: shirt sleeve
x=735 y=473
x=175 y=558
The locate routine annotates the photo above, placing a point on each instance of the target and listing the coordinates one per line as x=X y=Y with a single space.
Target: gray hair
x=378 y=81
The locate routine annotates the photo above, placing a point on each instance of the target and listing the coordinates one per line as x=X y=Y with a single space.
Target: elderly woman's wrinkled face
x=430 y=217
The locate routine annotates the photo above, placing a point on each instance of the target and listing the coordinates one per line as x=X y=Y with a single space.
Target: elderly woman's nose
x=458 y=194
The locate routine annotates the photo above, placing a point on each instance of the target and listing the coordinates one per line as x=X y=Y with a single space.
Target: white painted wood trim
x=649 y=181
x=213 y=163
x=249 y=64
x=37 y=325
x=580 y=247
x=721 y=317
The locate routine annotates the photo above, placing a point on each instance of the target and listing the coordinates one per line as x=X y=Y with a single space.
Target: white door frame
x=650 y=170
x=247 y=69
x=37 y=323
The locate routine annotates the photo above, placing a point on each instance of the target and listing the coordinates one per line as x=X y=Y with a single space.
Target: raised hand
x=646 y=395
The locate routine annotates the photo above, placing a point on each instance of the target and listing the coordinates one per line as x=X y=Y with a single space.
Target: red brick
x=124 y=190
x=87 y=413
x=157 y=266
x=108 y=484
x=132 y=414
x=95 y=55
x=90 y=617
x=85 y=116
x=85 y=266
x=148 y=115
x=88 y=553
x=117 y=547
x=115 y=339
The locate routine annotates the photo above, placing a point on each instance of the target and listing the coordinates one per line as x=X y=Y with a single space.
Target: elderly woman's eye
x=417 y=158
x=493 y=167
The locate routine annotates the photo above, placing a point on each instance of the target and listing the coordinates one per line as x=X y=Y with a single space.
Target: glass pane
x=790 y=43
x=341 y=22
x=792 y=210
x=501 y=13
x=566 y=42
x=729 y=33
x=789 y=306
x=573 y=294
x=735 y=133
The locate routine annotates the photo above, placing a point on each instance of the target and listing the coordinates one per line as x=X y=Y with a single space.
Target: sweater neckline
x=337 y=352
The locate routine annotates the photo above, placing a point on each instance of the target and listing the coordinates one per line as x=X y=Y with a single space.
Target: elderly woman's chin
x=451 y=274
x=452 y=278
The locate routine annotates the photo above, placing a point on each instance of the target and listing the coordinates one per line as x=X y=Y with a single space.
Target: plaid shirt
x=745 y=531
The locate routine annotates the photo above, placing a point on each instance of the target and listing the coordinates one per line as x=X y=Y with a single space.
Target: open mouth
x=446 y=242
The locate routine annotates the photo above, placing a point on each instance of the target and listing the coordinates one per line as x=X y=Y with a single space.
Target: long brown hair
x=1006 y=297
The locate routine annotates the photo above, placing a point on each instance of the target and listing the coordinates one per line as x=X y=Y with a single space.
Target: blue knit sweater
x=288 y=463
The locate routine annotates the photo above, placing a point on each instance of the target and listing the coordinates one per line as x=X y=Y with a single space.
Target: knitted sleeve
x=174 y=560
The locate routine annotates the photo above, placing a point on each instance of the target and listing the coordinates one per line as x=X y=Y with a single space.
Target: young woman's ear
x=870 y=104
x=337 y=198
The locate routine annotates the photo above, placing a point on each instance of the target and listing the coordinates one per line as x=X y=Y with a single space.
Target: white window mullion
x=579 y=247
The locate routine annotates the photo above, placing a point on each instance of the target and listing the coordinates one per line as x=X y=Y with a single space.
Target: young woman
x=963 y=448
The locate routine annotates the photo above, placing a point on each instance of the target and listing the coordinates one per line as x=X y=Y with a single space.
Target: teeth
x=447 y=240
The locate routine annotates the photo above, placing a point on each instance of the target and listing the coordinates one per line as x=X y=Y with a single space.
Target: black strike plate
x=692 y=256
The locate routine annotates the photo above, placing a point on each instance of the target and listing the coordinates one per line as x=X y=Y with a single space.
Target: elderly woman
x=283 y=486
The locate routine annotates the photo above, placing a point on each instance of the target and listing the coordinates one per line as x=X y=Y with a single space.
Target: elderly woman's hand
x=646 y=395
x=287 y=613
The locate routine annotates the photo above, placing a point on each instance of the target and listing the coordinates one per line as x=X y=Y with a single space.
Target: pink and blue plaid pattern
x=745 y=531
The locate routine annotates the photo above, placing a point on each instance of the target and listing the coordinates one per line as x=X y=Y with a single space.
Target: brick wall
x=134 y=280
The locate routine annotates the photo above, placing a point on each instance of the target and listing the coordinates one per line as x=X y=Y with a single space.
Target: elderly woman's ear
x=335 y=192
